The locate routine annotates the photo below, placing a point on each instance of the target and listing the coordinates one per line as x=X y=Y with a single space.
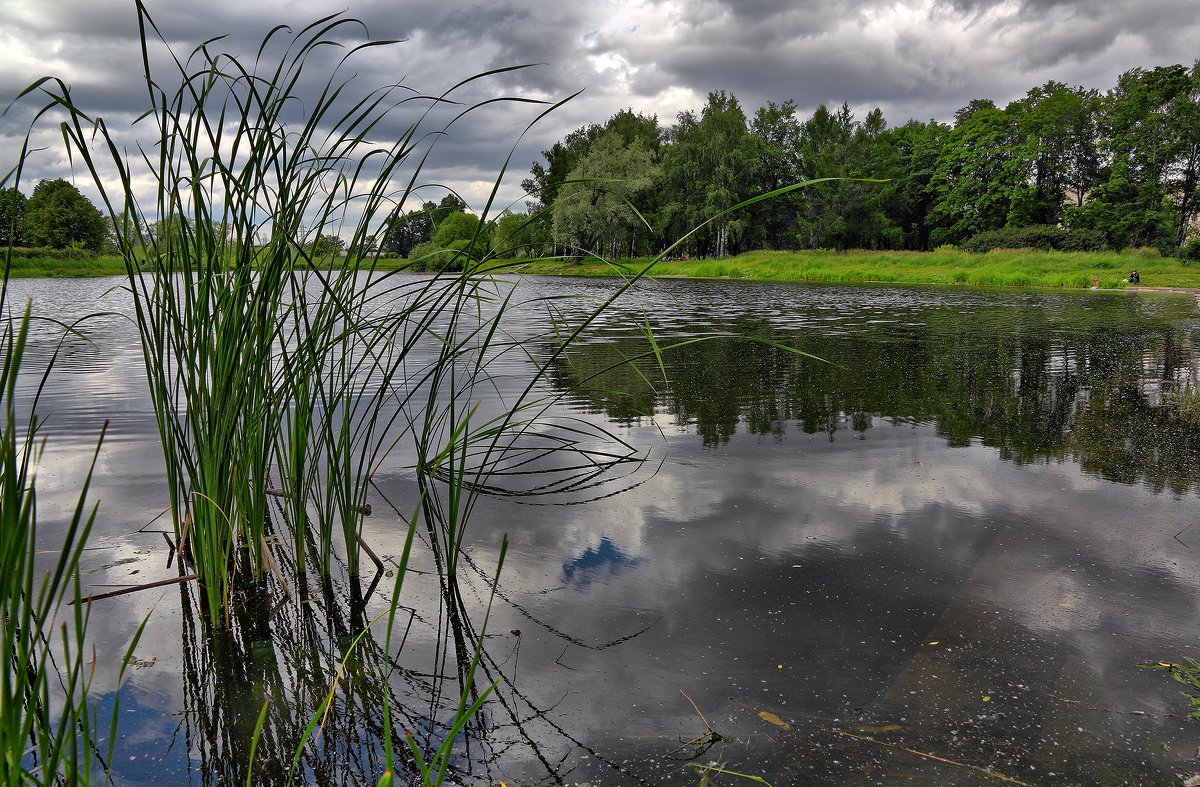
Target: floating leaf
x=771 y=718
x=935 y=642
x=987 y=698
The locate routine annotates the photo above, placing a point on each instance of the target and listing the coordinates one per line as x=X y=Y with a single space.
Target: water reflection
x=1035 y=384
x=597 y=564
x=957 y=540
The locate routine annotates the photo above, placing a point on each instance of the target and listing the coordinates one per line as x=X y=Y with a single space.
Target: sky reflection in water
x=958 y=540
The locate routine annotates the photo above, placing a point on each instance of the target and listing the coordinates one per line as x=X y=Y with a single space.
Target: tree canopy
x=58 y=216
x=1123 y=165
x=12 y=217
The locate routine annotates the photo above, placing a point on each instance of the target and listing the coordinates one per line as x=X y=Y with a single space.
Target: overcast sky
x=913 y=58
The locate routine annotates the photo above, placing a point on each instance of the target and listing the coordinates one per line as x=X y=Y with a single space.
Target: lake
x=936 y=554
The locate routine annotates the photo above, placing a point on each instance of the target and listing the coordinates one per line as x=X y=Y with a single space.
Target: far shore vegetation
x=1064 y=187
x=998 y=268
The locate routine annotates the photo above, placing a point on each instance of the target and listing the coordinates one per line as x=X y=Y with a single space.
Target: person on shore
x=1135 y=277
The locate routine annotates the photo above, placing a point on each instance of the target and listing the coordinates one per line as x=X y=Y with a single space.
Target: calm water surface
x=941 y=551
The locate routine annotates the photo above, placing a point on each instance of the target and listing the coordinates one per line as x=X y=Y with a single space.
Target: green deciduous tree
x=979 y=170
x=710 y=165
x=448 y=206
x=1058 y=148
x=563 y=157
x=909 y=158
x=461 y=228
x=521 y=234
x=1147 y=190
x=595 y=207
x=776 y=131
x=327 y=245
x=58 y=216
x=12 y=217
x=847 y=213
x=402 y=233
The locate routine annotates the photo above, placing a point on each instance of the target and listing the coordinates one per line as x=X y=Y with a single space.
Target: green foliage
x=978 y=173
x=1190 y=250
x=594 y=211
x=328 y=246
x=563 y=157
x=1125 y=165
x=521 y=234
x=710 y=164
x=776 y=135
x=1150 y=123
x=49 y=730
x=402 y=233
x=426 y=257
x=1057 y=138
x=1040 y=237
x=465 y=227
x=59 y=216
x=12 y=217
x=846 y=213
x=448 y=206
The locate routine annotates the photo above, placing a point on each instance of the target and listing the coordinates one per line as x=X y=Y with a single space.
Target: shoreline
x=1000 y=268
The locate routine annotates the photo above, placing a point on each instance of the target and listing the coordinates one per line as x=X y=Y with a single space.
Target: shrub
x=1043 y=237
x=430 y=257
x=40 y=252
x=1082 y=240
x=1189 y=252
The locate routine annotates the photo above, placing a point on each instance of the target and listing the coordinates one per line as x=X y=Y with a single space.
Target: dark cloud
x=915 y=59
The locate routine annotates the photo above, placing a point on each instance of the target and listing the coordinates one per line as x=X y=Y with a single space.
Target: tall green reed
x=259 y=357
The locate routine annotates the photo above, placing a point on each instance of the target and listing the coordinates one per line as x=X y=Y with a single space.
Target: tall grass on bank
x=1000 y=268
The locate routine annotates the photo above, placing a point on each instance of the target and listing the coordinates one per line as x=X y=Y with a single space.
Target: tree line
x=1063 y=167
x=58 y=217
x=1084 y=169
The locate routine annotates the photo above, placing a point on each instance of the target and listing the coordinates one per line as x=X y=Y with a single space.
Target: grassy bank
x=1001 y=268
x=61 y=267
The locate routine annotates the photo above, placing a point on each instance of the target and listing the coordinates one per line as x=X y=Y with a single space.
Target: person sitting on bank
x=1135 y=277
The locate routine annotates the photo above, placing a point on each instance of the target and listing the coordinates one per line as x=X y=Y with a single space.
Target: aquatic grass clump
x=35 y=746
x=275 y=372
x=270 y=370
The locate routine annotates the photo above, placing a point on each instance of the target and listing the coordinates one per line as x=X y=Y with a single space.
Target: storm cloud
x=916 y=59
